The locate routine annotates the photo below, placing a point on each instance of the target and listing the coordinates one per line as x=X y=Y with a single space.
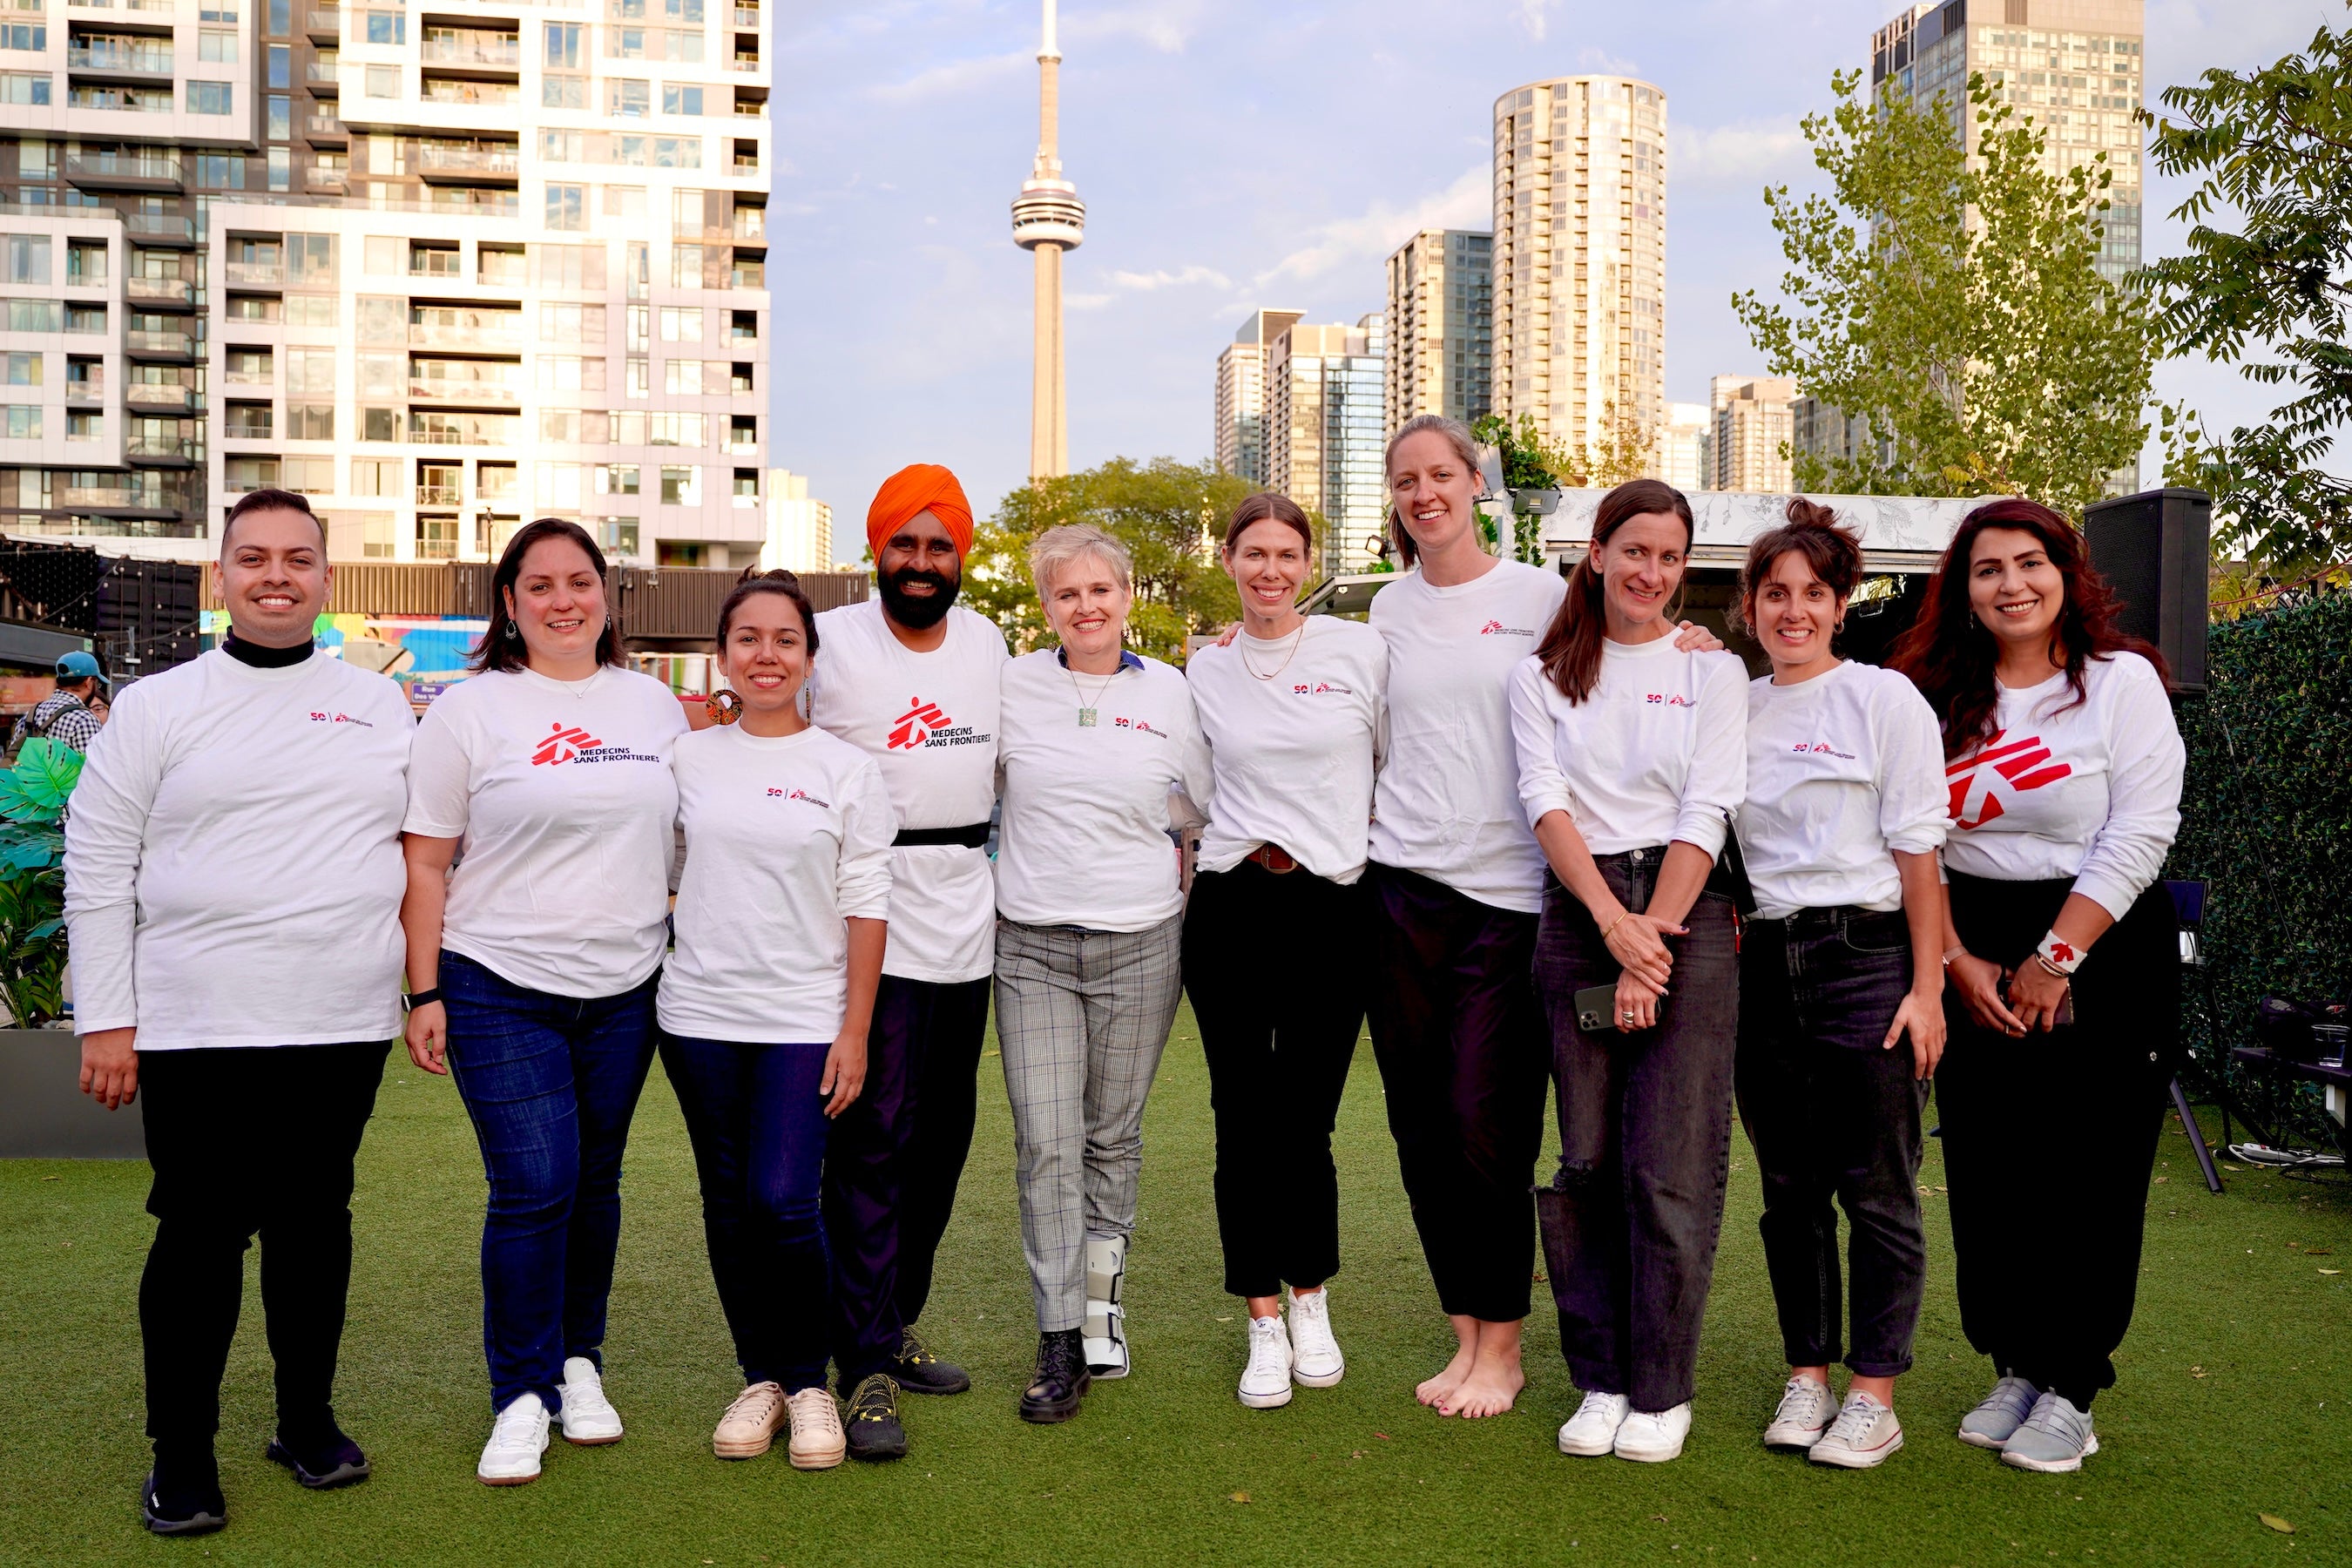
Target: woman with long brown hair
x=2064 y=768
x=1633 y=755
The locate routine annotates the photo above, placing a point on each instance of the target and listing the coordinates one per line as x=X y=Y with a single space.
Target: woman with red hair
x=2064 y=769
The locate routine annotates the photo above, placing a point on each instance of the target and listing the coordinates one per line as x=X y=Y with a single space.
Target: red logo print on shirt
x=914 y=725
x=1497 y=629
x=565 y=743
x=1668 y=700
x=2013 y=768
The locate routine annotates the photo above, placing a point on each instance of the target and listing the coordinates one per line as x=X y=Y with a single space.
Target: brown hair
x=1813 y=531
x=1466 y=447
x=1269 y=506
x=270 y=501
x=1950 y=656
x=1570 y=649
x=779 y=582
x=501 y=646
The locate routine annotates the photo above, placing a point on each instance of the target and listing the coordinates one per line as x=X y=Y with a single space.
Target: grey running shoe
x=2004 y=1410
x=2055 y=1439
x=1803 y=1415
x=1861 y=1437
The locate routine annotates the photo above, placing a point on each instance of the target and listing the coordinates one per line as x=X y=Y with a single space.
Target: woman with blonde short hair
x=1097 y=749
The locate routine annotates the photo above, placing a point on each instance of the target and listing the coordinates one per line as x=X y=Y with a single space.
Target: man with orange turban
x=911 y=679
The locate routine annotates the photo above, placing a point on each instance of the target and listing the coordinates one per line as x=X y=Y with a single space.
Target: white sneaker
x=1864 y=1435
x=1593 y=1430
x=749 y=1427
x=1993 y=1422
x=1803 y=1415
x=1106 y=1326
x=587 y=1417
x=1315 y=1358
x=1265 y=1382
x=518 y=1438
x=1654 y=1436
x=817 y=1442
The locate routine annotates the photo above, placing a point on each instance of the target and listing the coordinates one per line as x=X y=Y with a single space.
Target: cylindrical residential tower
x=1048 y=219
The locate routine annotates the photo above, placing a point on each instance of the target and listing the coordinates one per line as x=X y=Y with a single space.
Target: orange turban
x=918 y=488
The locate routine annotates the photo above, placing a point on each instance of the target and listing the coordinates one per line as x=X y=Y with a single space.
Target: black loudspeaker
x=2152 y=550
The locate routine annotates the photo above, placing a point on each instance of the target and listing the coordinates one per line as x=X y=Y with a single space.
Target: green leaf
x=45 y=775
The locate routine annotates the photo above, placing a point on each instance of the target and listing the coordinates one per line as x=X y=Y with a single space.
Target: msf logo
x=2015 y=767
x=564 y=744
x=916 y=724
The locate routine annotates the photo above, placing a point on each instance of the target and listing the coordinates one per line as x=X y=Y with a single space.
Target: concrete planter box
x=44 y=1115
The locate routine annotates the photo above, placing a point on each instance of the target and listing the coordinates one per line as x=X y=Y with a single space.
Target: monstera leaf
x=32 y=797
x=36 y=789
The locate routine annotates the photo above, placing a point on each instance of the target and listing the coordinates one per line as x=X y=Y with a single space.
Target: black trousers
x=247 y=1141
x=1278 y=1046
x=1460 y=1048
x=1631 y=1223
x=2049 y=1140
x=1834 y=1115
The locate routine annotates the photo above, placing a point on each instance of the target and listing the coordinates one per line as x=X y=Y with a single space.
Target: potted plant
x=43 y=1113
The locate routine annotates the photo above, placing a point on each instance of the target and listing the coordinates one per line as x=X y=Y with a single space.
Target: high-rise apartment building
x=2074 y=67
x=1753 y=429
x=1441 y=327
x=1241 y=443
x=1579 y=259
x=800 y=527
x=1324 y=390
x=1686 y=455
x=441 y=270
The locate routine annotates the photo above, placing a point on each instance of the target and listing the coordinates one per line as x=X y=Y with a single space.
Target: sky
x=1240 y=153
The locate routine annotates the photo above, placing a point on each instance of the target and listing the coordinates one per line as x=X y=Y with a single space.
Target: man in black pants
x=233 y=887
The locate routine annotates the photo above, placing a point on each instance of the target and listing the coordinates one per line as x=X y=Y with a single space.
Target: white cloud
x=1601 y=62
x=1123 y=283
x=1735 y=154
x=1535 y=15
x=956 y=76
x=1467 y=203
x=1166 y=27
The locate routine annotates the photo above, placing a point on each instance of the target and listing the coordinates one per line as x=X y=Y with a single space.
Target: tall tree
x=1955 y=304
x=2270 y=150
x=1170 y=516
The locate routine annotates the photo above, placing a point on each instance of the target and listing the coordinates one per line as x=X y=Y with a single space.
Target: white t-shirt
x=1294 y=755
x=1087 y=808
x=785 y=839
x=561 y=794
x=232 y=868
x=1841 y=770
x=1445 y=805
x=1657 y=754
x=2091 y=791
x=929 y=720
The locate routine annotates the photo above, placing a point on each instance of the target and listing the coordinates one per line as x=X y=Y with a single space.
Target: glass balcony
x=458 y=327
x=441 y=89
x=119 y=56
x=325 y=125
x=325 y=22
x=321 y=72
x=499 y=162
x=750 y=223
x=154 y=343
x=150 y=397
x=440 y=495
x=747 y=15
x=462 y=389
x=166 y=293
x=142 y=169
x=169 y=449
x=454 y=47
x=84 y=393
x=159 y=229
x=257 y=274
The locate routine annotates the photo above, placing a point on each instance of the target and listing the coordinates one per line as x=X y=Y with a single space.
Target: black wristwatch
x=419 y=998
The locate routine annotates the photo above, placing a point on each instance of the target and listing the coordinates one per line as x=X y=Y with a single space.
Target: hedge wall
x=2267 y=825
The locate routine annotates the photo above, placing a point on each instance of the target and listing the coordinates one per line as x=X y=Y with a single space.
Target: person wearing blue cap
x=65 y=715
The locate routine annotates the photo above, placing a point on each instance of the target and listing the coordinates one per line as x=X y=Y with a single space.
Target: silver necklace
x=1296 y=637
x=1086 y=708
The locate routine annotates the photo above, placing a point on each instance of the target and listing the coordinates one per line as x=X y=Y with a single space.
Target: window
x=570 y=266
x=681 y=486
x=385 y=26
x=251 y=421
x=743 y=433
x=627 y=202
x=210 y=98
x=21 y=369
x=215 y=47
x=617 y=535
x=281 y=118
x=85 y=262
x=221 y=171
x=639 y=316
x=250 y=367
x=78 y=318
x=311 y=260
x=500 y=264
x=557 y=486
x=627 y=99
x=567 y=209
x=496 y=482
x=676 y=430
x=744 y=327
x=563 y=146
x=436 y=539
x=310 y=476
x=382 y=81
x=379 y=423
x=251 y=473
x=570 y=323
x=279 y=162
x=438 y=259
x=616 y=479
x=85 y=426
x=23 y=87
x=253 y=307
x=28 y=258
x=375 y=476
x=681 y=324
x=281 y=65
x=30 y=36
x=684 y=377
x=680 y=99
x=377 y=533
x=748 y=272
x=382 y=319
x=570 y=372
x=313 y=311
x=563 y=92
x=564 y=49
x=310 y=373
x=384 y=256
x=747 y=484
x=640 y=376
x=740 y=378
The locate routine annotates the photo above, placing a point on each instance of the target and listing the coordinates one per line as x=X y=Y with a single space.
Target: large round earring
x=514 y=631
x=723 y=706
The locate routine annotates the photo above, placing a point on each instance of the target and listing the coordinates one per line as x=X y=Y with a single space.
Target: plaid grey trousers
x=1082 y=1018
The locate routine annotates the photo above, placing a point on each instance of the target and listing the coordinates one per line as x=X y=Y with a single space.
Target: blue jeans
x=758 y=1129
x=551 y=1083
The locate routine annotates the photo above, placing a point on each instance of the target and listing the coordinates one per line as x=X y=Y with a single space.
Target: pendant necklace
x=1296 y=637
x=1086 y=709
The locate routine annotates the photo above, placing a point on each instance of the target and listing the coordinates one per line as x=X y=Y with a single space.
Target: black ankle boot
x=1062 y=1379
x=183 y=1496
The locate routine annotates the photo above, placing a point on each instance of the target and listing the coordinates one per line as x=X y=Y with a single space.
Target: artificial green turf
x=2236 y=1381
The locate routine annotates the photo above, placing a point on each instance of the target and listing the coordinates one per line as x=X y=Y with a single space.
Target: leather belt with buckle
x=1273 y=858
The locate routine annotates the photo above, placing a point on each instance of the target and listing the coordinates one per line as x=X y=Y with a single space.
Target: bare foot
x=1439 y=1391
x=1496 y=1377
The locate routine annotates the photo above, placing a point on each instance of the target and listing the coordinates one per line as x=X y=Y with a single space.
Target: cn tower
x=1048 y=219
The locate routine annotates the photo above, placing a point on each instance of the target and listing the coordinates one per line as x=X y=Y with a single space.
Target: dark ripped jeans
x=1834 y=1114
x=1630 y=1223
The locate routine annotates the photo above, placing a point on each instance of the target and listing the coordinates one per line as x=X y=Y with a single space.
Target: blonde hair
x=1466 y=447
x=1059 y=548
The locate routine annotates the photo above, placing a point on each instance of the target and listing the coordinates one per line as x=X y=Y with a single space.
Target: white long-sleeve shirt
x=1657 y=754
x=233 y=868
x=2090 y=791
x=1087 y=808
x=1293 y=753
x=786 y=840
x=1445 y=805
x=1841 y=770
x=561 y=794
x=929 y=720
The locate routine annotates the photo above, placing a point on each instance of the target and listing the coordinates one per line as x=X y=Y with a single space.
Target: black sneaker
x=871 y=1420
x=323 y=1464
x=920 y=1371
x=1062 y=1379
x=184 y=1498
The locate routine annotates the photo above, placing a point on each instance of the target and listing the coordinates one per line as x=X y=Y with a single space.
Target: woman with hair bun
x=1841 y=961
x=1292 y=712
x=2063 y=771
